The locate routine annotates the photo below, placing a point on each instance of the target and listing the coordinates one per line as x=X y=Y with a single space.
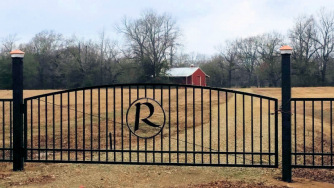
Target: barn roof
x=183 y=71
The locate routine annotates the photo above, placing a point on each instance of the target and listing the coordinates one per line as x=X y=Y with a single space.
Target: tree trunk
x=229 y=78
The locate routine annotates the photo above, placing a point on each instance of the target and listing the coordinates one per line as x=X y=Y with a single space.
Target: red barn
x=188 y=75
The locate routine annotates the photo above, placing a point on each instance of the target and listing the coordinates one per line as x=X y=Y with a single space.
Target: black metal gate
x=156 y=124
x=6 y=130
x=312 y=132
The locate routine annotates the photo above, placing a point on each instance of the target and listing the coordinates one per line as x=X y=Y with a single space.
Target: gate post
x=17 y=79
x=286 y=113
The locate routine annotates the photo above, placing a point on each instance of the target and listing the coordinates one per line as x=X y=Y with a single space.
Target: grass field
x=90 y=175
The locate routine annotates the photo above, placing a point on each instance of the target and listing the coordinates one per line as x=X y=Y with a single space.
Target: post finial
x=17 y=53
x=286 y=49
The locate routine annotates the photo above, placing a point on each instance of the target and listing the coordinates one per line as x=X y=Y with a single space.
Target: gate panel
x=6 y=130
x=153 y=124
x=312 y=132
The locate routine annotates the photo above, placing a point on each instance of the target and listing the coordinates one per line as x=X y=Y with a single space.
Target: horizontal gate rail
x=6 y=130
x=152 y=163
x=312 y=132
x=198 y=126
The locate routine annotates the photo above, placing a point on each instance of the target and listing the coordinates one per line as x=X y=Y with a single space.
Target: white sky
x=204 y=23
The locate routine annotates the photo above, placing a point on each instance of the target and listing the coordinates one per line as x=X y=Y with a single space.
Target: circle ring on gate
x=161 y=127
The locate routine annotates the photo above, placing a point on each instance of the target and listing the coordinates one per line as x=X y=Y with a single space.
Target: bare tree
x=8 y=43
x=112 y=59
x=151 y=38
x=301 y=37
x=229 y=59
x=268 y=48
x=324 y=40
x=47 y=46
x=248 y=56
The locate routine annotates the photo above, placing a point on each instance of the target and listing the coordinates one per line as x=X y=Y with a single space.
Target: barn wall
x=199 y=78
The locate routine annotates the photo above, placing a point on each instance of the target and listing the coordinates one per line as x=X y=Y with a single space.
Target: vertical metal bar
x=169 y=133
x=145 y=138
x=91 y=124
x=83 y=125
x=210 y=135
x=145 y=87
x=76 y=125
x=269 y=135
x=46 y=128
x=31 y=129
x=11 y=131
x=322 y=133
x=153 y=137
x=130 y=150
x=313 y=132
x=194 y=126
x=110 y=140
x=122 y=123
x=53 y=128
x=276 y=133
x=235 y=128
x=107 y=119
x=25 y=143
x=243 y=127
x=145 y=150
x=218 y=125
x=99 y=122
x=331 y=122
x=260 y=131
x=114 y=99
x=39 y=129
x=177 y=122
x=3 y=130
x=162 y=133
x=295 y=105
x=61 y=126
x=252 y=131
x=202 y=132
x=226 y=99
x=137 y=136
x=186 y=132
x=304 y=133
x=68 y=127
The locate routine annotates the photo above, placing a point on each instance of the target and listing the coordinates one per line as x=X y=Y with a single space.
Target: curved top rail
x=150 y=84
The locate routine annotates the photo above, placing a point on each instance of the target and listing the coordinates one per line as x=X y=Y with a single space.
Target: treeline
x=53 y=61
x=152 y=46
x=255 y=61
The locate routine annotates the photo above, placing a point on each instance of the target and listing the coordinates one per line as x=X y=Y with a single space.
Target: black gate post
x=17 y=78
x=286 y=113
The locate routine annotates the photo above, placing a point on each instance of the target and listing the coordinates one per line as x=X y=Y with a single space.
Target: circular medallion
x=145 y=118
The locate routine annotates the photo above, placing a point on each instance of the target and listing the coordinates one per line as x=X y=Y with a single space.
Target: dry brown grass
x=74 y=175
